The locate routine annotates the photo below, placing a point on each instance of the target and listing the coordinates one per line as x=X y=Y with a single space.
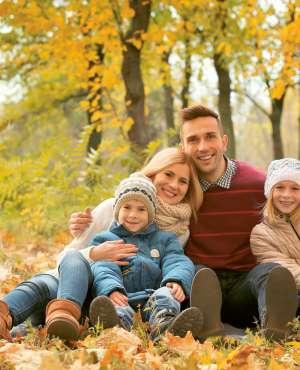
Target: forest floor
x=118 y=349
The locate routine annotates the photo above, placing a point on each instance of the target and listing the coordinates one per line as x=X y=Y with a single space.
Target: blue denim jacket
x=160 y=259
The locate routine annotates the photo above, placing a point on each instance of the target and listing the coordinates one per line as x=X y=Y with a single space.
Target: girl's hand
x=177 y=291
x=79 y=221
x=118 y=298
x=114 y=251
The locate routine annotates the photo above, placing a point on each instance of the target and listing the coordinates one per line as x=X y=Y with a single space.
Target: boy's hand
x=118 y=298
x=176 y=291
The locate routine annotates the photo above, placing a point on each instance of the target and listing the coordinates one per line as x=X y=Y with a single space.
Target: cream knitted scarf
x=174 y=218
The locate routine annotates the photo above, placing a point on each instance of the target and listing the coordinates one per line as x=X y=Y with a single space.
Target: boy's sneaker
x=281 y=303
x=103 y=312
x=206 y=295
x=191 y=320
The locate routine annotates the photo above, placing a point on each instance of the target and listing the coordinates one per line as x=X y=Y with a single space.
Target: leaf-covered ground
x=117 y=349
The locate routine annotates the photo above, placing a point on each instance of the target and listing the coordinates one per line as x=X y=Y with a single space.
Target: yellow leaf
x=96 y=115
x=85 y=104
x=278 y=89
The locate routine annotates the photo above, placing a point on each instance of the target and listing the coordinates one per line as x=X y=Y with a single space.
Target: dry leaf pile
x=116 y=348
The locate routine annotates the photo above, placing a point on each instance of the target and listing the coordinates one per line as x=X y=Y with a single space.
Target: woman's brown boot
x=5 y=321
x=62 y=319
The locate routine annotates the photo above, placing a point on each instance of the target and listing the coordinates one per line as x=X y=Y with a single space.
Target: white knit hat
x=286 y=169
x=137 y=187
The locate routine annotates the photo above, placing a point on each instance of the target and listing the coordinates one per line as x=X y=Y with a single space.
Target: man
x=220 y=239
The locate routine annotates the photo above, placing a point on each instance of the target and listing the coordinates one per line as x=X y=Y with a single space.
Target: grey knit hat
x=138 y=187
x=286 y=169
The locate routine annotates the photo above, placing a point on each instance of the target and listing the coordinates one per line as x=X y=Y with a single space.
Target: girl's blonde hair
x=271 y=212
x=169 y=156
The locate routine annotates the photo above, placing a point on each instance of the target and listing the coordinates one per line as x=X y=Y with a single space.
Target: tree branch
x=253 y=101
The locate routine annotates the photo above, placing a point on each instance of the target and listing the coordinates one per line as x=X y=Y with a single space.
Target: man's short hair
x=195 y=111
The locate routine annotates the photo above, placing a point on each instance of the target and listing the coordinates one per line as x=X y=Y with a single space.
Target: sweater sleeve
x=267 y=250
x=176 y=267
x=102 y=219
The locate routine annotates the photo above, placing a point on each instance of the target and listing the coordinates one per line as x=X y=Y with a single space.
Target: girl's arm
x=266 y=249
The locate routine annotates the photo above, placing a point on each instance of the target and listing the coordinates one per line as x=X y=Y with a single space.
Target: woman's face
x=286 y=196
x=172 y=183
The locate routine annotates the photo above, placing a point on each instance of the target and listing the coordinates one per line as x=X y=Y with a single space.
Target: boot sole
x=63 y=329
x=281 y=302
x=206 y=295
x=103 y=311
x=191 y=320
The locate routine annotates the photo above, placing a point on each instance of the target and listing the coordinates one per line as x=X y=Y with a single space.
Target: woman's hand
x=79 y=221
x=114 y=251
x=177 y=291
x=118 y=298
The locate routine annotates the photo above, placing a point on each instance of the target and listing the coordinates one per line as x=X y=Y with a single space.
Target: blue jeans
x=243 y=294
x=30 y=298
x=160 y=306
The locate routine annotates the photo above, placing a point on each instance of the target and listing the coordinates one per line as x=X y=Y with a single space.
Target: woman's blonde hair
x=169 y=156
x=271 y=212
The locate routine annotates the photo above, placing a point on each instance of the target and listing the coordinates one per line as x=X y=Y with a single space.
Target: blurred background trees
x=91 y=88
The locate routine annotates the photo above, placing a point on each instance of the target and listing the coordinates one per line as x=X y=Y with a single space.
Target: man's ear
x=225 y=142
x=180 y=145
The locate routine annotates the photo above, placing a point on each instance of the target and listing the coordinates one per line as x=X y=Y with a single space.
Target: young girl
x=277 y=237
x=180 y=196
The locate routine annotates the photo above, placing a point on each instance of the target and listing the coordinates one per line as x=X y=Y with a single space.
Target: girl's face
x=172 y=183
x=286 y=196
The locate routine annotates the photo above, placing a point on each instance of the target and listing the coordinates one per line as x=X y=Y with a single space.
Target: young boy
x=157 y=279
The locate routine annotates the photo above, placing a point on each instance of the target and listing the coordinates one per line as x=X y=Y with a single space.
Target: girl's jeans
x=160 y=310
x=30 y=298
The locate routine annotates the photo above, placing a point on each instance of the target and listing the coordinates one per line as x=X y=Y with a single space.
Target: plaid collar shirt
x=225 y=180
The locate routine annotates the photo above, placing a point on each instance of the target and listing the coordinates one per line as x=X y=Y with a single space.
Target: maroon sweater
x=220 y=238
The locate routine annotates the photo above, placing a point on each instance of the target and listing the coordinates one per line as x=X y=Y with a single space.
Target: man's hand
x=177 y=291
x=79 y=221
x=118 y=298
x=114 y=251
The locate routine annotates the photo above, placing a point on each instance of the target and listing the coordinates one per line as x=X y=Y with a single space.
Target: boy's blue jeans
x=31 y=297
x=160 y=308
x=243 y=294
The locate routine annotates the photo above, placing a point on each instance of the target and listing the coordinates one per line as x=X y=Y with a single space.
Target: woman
x=179 y=196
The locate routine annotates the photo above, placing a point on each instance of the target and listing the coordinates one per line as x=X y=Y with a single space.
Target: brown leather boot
x=62 y=318
x=5 y=321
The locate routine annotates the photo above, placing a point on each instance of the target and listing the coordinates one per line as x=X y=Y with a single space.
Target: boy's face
x=133 y=215
x=286 y=196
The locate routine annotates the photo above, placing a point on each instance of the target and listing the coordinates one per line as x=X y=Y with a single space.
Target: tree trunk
x=187 y=74
x=131 y=71
x=224 y=106
x=96 y=135
x=275 y=117
x=168 y=93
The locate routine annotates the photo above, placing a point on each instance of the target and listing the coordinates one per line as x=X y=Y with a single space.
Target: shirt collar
x=225 y=180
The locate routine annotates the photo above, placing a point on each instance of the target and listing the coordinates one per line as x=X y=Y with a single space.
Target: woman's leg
x=30 y=298
x=64 y=312
x=75 y=278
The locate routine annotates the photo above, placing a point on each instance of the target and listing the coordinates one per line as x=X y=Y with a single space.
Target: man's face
x=202 y=140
